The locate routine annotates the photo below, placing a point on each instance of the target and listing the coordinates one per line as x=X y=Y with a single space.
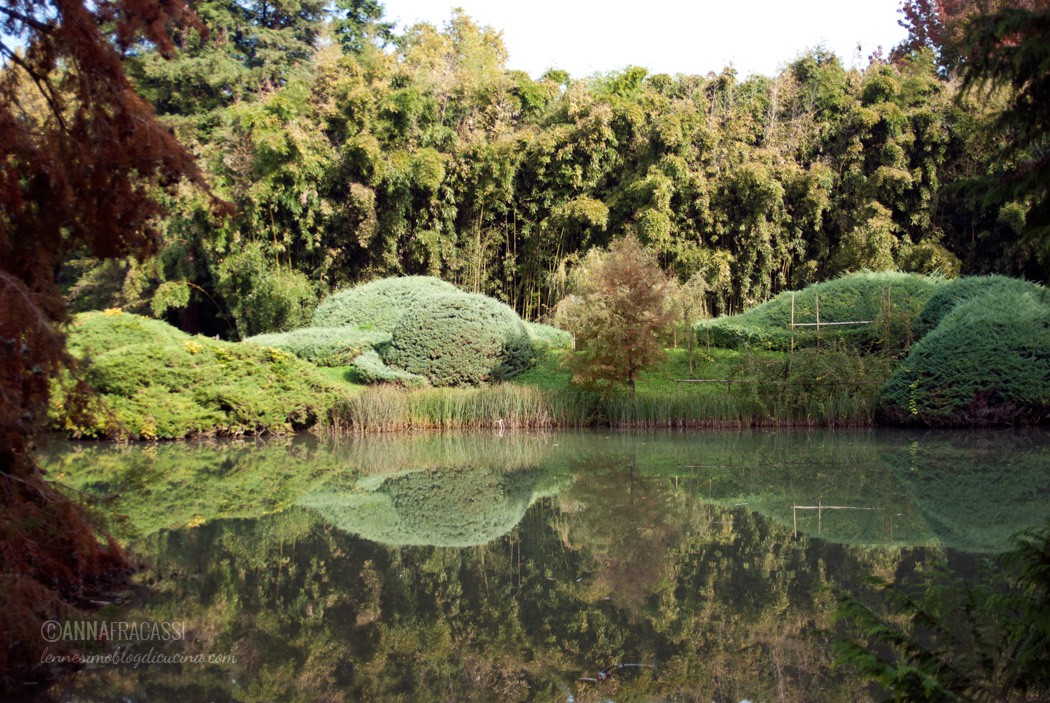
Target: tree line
x=351 y=152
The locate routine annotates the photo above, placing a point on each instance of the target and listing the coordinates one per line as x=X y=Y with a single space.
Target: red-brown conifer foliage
x=82 y=163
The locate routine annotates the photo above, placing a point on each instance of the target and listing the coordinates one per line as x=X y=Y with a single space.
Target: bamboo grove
x=352 y=153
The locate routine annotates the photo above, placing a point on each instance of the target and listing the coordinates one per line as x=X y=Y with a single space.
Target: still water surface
x=519 y=567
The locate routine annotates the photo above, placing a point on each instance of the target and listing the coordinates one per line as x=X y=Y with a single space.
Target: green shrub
x=324 y=346
x=856 y=297
x=987 y=362
x=369 y=368
x=548 y=336
x=157 y=382
x=461 y=339
x=262 y=298
x=380 y=304
x=962 y=290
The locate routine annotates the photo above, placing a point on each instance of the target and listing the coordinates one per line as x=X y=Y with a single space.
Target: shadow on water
x=474 y=567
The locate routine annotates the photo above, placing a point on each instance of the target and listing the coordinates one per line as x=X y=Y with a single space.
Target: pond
x=530 y=566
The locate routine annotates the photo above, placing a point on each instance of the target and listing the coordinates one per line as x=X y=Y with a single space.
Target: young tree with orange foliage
x=83 y=175
x=619 y=316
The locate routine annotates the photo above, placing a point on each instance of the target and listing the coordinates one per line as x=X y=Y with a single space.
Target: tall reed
x=389 y=409
x=386 y=409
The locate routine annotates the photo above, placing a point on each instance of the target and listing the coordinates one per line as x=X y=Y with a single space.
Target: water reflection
x=517 y=568
x=447 y=507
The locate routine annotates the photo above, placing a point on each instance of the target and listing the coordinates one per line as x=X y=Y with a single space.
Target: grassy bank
x=975 y=355
x=759 y=389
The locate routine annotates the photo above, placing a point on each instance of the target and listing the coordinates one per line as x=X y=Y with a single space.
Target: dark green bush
x=262 y=298
x=961 y=290
x=324 y=346
x=987 y=362
x=157 y=382
x=461 y=339
x=856 y=297
x=380 y=304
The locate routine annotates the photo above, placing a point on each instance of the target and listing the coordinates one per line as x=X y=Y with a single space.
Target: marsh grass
x=504 y=405
x=810 y=388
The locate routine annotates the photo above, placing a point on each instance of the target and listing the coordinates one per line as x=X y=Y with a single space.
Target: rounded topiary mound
x=380 y=304
x=987 y=362
x=856 y=296
x=461 y=339
x=962 y=290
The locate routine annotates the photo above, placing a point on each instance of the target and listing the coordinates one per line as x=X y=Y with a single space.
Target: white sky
x=664 y=36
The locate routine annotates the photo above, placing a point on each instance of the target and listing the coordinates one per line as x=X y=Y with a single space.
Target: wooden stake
x=816 y=297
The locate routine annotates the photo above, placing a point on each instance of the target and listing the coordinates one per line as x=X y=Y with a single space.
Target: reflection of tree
x=314 y=613
x=720 y=598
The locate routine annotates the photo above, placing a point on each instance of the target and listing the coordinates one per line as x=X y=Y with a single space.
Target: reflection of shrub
x=324 y=346
x=371 y=369
x=460 y=339
x=380 y=304
x=453 y=506
x=987 y=362
x=972 y=494
x=446 y=507
x=159 y=382
x=858 y=296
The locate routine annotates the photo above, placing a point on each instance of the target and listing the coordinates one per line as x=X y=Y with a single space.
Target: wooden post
x=792 y=322
x=794 y=519
x=816 y=297
x=889 y=316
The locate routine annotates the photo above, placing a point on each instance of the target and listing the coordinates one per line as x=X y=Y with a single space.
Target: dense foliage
x=986 y=362
x=155 y=381
x=429 y=157
x=460 y=339
x=881 y=300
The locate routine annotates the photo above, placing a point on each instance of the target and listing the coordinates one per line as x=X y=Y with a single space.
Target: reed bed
x=503 y=405
x=509 y=406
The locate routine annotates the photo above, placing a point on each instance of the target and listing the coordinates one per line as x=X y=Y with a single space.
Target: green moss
x=157 y=382
x=856 y=297
x=461 y=339
x=380 y=304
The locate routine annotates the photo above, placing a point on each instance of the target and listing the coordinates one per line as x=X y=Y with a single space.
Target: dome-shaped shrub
x=380 y=304
x=987 y=362
x=460 y=339
x=962 y=290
